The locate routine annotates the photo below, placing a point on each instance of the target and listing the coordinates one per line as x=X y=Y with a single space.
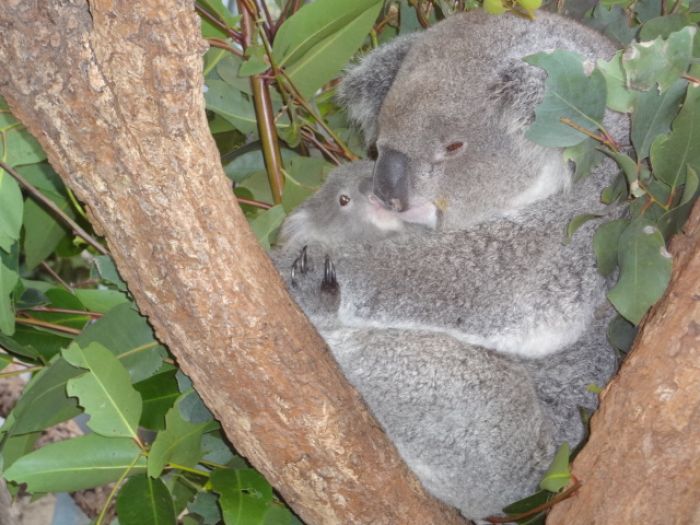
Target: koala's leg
x=562 y=380
x=467 y=421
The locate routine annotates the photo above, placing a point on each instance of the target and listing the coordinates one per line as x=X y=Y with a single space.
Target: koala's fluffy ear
x=518 y=90
x=365 y=85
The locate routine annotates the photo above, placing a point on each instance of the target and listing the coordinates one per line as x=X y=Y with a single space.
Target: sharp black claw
x=329 y=283
x=299 y=265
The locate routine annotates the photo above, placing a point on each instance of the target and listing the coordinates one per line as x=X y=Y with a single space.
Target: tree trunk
x=642 y=462
x=113 y=91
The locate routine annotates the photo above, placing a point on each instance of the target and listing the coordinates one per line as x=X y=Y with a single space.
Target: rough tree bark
x=113 y=91
x=642 y=462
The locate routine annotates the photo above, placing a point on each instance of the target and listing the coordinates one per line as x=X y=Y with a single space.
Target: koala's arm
x=513 y=287
x=365 y=84
x=465 y=420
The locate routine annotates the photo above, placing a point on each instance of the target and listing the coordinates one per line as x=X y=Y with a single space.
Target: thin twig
x=80 y=232
x=112 y=493
x=303 y=103
x=544 y=506
x=219 y=23
x=263 y=111
x=45 y=324
x=215 y=42
x=268 y=24
x=13 y=373
x=53 y=274
x=689 y=78
x=604 y=138
x=52 y=310
x=252 y=202
x=311 y=137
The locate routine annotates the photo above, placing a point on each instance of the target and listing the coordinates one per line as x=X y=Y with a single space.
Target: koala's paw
x=329 y=284
x=300 y=267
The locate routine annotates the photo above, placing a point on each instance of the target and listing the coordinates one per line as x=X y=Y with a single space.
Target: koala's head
x=344 y=210
x=451 y=125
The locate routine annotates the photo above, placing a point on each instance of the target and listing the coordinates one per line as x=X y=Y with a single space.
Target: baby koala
x=344 y=210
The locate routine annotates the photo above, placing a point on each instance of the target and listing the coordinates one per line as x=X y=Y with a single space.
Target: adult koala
x=437 y=329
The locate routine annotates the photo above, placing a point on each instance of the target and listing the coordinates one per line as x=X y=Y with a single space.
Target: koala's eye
x=451 y=148
x=343 y=200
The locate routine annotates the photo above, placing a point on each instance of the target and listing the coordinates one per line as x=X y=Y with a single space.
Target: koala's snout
x=390 y=179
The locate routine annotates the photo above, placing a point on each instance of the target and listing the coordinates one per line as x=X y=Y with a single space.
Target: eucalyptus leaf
x=620 y=97
x=145 y=501
x=76 y=464
x=322 y=62
x=671 y=153
x=230 y=104
x=605 y=244
x=645 y=270
x=129 y=337
x=106 y=393
x=11 y=210
x=559 y=475
x=621 y=333
x=653 y=114
x=158 y=394
x=244 y=496
x=9 y=277
x=569 y=94
x=101 y=301
x=206 y=506
x=108 y=271
x=266 y=224
x=659 y=61
x=179 y=443
x=662 y=26
x=45 y=402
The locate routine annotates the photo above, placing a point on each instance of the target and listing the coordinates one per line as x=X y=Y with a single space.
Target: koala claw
x=329 y=283
x=300 y=264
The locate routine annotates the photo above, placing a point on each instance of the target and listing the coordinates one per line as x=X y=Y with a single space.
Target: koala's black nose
x=391 y=179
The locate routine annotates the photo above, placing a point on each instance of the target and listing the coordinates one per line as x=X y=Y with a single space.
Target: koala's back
x=478 y=36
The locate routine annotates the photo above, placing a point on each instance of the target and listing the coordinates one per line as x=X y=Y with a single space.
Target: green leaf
x=244 y=495
x=325 y=58
x=559 y=475
x=659 y=61
x=256 y=62
x=14 y=447
x=569 y=94
x=231 y=104
x=621 y=333
x=206 y=505
x=210 y=30
x=44 y=402
x=145 y=501
x=266 y=224
x=24 y=352
x=105 y=392
x=101 y=301
x=645 y=270
x=313 y=23
x=76 y=464
x=673 y=220
x=11 y=205
x=662 y=26
x=19 y=145
x=248 y=163
x=629 y=168
x=46 y=344
x=605 y=243
x=613 y=23
x=653 y=114
x=578 y=221
x=128 y=336
x=159 y=394
x=179 y=443
x=108 y=271
x=9 y=276
x=671 y=153
x=620 y=98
